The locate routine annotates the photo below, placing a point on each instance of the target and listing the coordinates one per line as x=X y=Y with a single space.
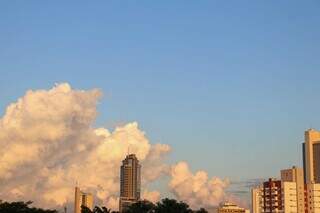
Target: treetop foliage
x=22 y=207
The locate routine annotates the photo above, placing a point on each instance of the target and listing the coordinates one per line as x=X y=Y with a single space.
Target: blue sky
x=230 y=85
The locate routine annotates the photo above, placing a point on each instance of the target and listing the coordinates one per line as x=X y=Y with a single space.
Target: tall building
x=285 y=195
x=313 y=198
x=311 y=156
x=256 y=199
x=82 y=199
x=271 y=197
x=289 y=197
x=231 y=208
x=295 y=178
x=130 y=181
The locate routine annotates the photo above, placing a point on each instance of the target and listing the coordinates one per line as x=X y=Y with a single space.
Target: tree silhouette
x=21 y=207
x=103 y=209
x=85 y=209
x=96 y=209
x=143 y=206
x=172 y=206
x=201 y=210
x=164 y=206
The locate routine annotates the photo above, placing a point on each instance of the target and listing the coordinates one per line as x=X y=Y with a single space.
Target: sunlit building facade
x=228 y=207
x=256 y=199
x=271 y=196
x=294 y=179
x=313 y=197
x=299 y=189
x=130 y=182
x=82 y=199
x=311 y=156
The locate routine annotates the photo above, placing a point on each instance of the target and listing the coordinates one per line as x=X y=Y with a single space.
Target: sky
x=231 y=86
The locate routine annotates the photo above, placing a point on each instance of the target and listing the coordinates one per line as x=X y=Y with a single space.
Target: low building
x=228 y=207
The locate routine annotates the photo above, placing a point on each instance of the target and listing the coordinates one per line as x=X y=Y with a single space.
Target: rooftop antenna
x=129 y=149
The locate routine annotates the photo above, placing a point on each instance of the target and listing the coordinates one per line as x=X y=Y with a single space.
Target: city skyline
x=125 y=138
x=217 y=92
x=298 y=189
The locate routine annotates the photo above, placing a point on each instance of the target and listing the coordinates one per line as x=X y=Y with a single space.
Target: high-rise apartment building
x=289 y=197
x=311 y=156
x=271 y=196
x=82 y=199
x=231 y=208
x=256 y=199
x=130 y=181
x=285 y=195
x=313 y=197
x=299 y=189
x=294 y=178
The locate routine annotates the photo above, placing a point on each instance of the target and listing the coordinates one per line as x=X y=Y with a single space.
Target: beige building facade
x=294 y=178
x=231 y=208
x=82 y=199
x=256 y=199
x=313 y=197
x=289 y=200
x=311 y=156
x=278 y=195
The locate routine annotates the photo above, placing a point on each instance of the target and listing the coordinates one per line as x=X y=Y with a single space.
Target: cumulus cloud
x=196 y=189
x=48 y=144
x=153 y=196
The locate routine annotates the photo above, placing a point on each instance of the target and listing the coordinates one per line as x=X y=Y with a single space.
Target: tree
x=172 y=206
x=85 y=209
x=143 y=206
x=164 y=206
x=103 y=209
x=201 y=210
x=22 y=207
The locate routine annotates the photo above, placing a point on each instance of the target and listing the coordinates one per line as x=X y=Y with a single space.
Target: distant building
x=285 y=195
x=277 y=196
x=130 y=182
x=311 y=156
x=82 y=199
x=231 y=208
x=299 y=189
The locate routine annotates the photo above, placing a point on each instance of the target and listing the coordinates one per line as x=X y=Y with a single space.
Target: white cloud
x=48 y=144
x=153 y=196
x=196 y=189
